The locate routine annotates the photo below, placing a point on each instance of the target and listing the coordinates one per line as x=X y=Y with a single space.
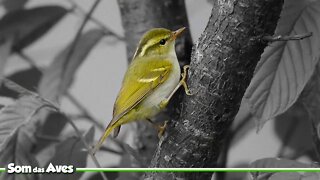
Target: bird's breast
x=163 y=91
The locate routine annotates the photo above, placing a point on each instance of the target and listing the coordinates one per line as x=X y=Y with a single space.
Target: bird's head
x=157 y=41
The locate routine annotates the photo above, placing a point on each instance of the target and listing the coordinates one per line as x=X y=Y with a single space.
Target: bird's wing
x=145 y=76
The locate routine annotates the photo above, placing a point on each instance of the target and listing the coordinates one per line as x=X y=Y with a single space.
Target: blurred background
x=98 y=79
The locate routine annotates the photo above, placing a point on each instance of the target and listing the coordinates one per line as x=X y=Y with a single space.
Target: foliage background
x=98 y=80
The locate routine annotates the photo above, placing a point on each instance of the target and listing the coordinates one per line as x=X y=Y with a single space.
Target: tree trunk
x=139 y=16
x=222 y=65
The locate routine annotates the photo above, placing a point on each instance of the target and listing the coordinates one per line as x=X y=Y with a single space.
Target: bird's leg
x=183 y=83
x=184 y=78
x=165 y=102
x=160 y=128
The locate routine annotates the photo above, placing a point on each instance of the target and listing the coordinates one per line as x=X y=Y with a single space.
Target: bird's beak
x=176 y=33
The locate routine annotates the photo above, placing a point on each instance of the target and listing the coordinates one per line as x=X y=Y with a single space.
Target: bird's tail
x=103 y=137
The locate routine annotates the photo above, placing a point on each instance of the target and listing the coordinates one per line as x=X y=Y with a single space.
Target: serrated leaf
x=16 y=115
x=12 y=5
x=285 y=67
x=276 y=163
x=58 y=77
x=15 y=144
x=17 y=151
x=71 y=152
x=5 y=50
x=28 y=78
x=27 y=25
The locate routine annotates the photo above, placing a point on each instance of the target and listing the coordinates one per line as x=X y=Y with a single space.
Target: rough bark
x=139 y=16
x=222 y=65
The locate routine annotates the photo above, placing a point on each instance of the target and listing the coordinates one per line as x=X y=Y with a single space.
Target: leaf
x=243 y=123
x=285 y=67
x=71 y=152
x=15 y=144
x=27 y=25
x=58 y=77
x=48 y=134
x=14 y=116
x=12 y=5
x=5 y=50
x=278 y=163
x=52 y=127
x=310 y=98
x=28 y=78
x=293 y=129
x=17 y=151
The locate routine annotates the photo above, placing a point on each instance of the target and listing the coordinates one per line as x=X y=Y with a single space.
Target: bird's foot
x=184 y=78
x=163 y=103
x=161 y=129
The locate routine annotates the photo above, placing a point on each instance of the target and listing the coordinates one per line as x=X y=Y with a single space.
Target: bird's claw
x=163 y=103
x=161 y=129
x=184 y=78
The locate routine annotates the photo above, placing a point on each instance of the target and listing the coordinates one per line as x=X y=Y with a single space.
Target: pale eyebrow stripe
x=146 y=46
x=150 y=44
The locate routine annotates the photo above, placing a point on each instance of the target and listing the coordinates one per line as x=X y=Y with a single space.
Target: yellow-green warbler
x=150 y=81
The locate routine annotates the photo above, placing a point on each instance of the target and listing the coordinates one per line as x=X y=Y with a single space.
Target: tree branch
x=106 y=30
x=287 y=38
x=78 y=34
x=222 y=65
x=88 y=148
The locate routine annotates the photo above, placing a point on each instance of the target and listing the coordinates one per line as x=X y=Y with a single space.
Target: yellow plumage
x=150 y=81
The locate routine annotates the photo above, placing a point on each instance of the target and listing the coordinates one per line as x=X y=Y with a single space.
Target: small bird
x=150 y=81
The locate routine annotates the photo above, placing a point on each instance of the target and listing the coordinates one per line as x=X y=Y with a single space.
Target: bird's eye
x=162 y=42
